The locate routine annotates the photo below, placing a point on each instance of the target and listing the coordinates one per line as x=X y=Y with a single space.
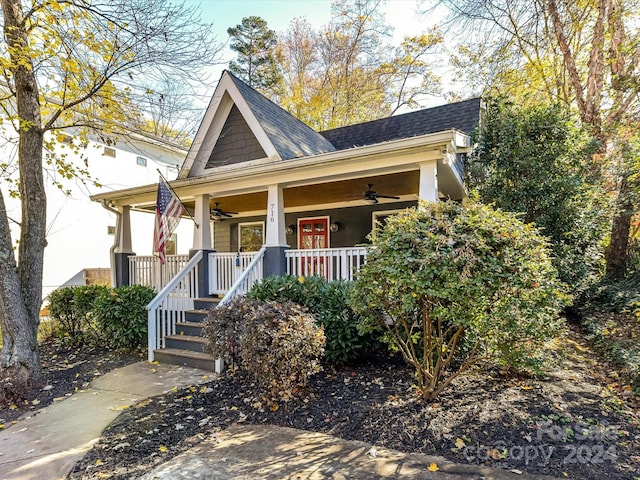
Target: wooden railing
x=331 y=263
x=147 y=270
x=225 y=268
x=169 y=305
x=252 y=274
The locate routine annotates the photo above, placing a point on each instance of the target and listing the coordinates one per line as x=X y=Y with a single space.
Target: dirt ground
x=581 y=421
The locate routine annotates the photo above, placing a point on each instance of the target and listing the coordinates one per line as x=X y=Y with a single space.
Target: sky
x=400 y=14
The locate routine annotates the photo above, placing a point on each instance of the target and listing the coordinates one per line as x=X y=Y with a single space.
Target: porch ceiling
x=339 y=193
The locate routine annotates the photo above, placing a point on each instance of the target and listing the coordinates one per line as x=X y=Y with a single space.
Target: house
x=79 y=231
x=269 y=195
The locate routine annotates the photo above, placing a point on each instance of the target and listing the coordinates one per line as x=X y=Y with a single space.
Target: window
x=379 y=219
x=141 y=161
x=109 y=152
x=250 y=236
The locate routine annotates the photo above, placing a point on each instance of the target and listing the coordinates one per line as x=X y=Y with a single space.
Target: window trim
x=382 y=213
x=246 y=224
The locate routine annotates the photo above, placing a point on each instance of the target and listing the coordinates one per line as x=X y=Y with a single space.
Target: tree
x=455 y=286
x=72 y=64
x=534 y=161
x=347 y=72
x=584 y=54
x=255 y=45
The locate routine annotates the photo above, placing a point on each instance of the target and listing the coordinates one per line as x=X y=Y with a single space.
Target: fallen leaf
x=274 y=407
x=162 y=448
x=460 y=443
x=1 y=426
x=433 y=467
x=99 y=462
x=13 y=406
x=119 y=408
x=35 y=402
x=495 y=454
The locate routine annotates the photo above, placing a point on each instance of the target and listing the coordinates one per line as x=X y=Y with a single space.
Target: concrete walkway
x=48 y=444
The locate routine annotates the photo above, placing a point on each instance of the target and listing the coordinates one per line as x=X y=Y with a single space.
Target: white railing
x=225 y=268
x=252 y=274
x=147 y=270
x=331 y=263
x=169 y=305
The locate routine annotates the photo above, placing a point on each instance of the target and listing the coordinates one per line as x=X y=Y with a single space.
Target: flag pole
x=176 y=195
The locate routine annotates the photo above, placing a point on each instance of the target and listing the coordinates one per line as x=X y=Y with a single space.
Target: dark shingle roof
x=462 y=116
x=289 y=136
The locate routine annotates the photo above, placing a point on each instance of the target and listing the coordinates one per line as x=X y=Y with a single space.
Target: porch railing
x=331 y=263
x=169 y=305
x=225 y=268
x=147 y=270
x=252 y=274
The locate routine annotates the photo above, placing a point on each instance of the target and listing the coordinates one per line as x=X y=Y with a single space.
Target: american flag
x=169 y=210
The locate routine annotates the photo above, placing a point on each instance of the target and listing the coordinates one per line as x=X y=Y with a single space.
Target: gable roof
x=290 y=137
x=463 y=116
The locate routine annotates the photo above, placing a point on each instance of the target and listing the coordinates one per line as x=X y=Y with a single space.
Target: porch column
x=123 y=249
x=276 y=238
x=202 y=241
x=428 y=182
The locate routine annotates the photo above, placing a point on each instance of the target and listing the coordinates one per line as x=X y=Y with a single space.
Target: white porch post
x=275 y=235
x=202 y=232
x=428 y=181
x=124 y=231
x=275 y=262
x=202 y=241
x=120 y=274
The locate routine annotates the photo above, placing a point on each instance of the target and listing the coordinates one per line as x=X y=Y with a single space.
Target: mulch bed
x=581 y=421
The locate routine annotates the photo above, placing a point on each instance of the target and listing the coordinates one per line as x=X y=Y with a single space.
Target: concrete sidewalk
x=48 y=444
x=266 y=452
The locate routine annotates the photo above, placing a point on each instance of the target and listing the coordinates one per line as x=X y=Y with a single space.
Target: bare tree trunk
x=616 y=258
x=21 y=283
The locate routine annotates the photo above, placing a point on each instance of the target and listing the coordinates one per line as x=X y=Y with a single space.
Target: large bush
x=278 y=344
x=329 y=302
x=535 y=161
x=72 y=309
x=122 y=315
x=456 y=284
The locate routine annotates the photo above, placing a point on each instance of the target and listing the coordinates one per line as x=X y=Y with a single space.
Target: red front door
x=313 y=234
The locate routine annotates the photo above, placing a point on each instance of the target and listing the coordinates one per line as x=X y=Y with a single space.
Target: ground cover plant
x=455 y=285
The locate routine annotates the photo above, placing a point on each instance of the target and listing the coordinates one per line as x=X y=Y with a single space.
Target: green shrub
x=329 y=302
x=278 y=344
x=456 y=285
x=122 y=316
x=72 y=309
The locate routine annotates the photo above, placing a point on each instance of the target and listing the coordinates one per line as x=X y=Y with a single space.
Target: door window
x=314 y=233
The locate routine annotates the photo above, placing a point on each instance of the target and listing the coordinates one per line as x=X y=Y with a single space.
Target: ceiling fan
x=372 y=196
x=217 y=213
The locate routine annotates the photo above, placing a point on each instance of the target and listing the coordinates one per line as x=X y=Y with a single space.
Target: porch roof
x=387 y=158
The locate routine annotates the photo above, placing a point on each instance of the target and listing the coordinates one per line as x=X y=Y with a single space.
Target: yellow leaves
x=1 y=426
x=460 y=443
x=433 y=467
x=274 y=407
x=99 y=462
x=119 y=408
x=162 y=448
x=13 y=406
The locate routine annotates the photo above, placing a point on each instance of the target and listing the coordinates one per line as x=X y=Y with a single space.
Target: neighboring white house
x=80 y=232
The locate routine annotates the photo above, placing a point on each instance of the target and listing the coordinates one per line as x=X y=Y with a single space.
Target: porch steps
x=186 y=347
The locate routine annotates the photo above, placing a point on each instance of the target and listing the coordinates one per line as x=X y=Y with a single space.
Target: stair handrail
x=235 y=289
x=156 y=302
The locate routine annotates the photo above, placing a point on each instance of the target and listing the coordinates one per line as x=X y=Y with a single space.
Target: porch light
x=335 y=226
x=290 y=229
